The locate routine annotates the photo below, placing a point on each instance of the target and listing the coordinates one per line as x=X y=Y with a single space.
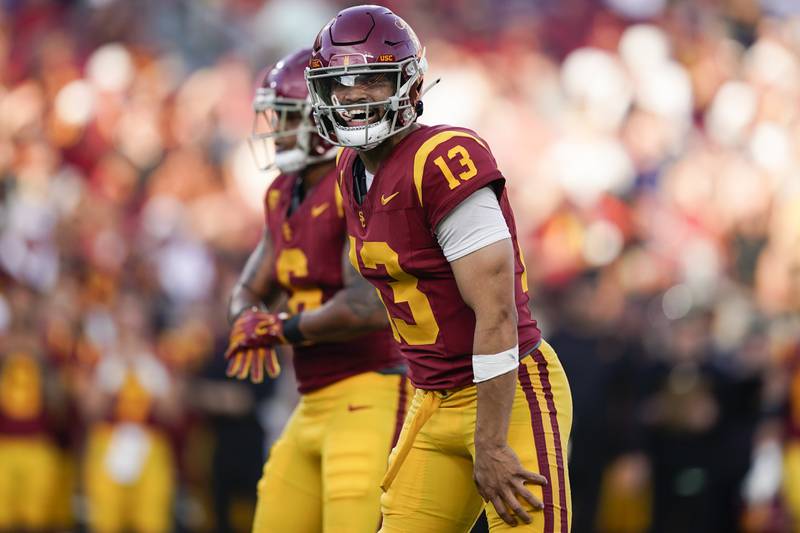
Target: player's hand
x=501 y=480
x=250 y=349
x=252 y=363
x=256 y=329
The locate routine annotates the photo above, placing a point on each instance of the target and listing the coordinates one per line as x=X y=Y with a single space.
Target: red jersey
x=392 y=243
x=307 y=248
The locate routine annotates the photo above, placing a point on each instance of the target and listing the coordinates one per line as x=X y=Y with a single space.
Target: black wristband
x=291 y=329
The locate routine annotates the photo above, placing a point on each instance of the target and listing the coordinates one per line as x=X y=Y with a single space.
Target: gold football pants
x=323 y=474
x=143 y=505
x=28 y=482
x=429 y=485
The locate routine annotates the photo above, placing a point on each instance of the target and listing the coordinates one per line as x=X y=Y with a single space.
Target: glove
x=251 y=347
x=257 y=329
x=251 y=362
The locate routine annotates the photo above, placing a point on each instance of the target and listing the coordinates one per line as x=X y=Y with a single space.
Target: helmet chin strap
x=355 y=137
x=292 y=160
x=297 y=158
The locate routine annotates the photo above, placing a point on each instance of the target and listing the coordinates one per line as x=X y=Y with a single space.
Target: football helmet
x=282 y=109
x=364 y=46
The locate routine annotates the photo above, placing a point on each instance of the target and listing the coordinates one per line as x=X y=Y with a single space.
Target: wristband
x=291 y=329
x=486 y=367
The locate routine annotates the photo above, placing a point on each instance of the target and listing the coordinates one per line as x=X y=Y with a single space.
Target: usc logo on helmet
x=386 y=58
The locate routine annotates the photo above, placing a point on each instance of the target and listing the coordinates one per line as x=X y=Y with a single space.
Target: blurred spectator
x=700 y=411
x=30 y=409
x=131 y=405
x=601 y=362
x=231 y=407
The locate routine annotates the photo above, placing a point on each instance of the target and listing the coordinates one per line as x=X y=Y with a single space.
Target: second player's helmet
x=362 y=44
x=282 y=109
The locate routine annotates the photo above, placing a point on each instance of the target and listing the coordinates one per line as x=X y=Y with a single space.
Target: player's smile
x=360 y=116
x=351 y=92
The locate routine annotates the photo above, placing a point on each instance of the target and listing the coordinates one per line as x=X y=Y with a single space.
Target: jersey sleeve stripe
x=339 y=155
x=421 y=157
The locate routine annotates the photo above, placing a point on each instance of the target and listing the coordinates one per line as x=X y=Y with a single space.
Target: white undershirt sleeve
x=475 y=223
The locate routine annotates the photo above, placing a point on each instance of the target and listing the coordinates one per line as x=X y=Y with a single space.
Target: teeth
x=359 y=116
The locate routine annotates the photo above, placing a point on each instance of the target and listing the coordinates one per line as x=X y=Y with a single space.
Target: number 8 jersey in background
x=307 y=246
x=394 y=246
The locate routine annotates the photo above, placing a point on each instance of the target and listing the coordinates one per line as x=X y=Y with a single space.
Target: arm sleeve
x=473 y=224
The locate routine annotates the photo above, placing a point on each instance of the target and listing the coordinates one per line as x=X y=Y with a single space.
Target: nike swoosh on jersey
x=351 y=407
x=317 y=210
x=386 y=199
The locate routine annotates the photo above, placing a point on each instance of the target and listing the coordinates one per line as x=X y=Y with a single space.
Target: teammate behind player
x=323 y=474
x=430 y=225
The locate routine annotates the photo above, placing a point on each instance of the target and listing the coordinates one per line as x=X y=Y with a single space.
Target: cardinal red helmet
x=282 y=109
x=360 y=47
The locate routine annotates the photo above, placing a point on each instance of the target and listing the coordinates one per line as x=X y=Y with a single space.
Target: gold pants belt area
x=431 y=402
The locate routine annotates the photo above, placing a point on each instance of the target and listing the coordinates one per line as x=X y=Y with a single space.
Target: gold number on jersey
x=293 y=262
x=425 y=330
x=465 y=161
x=20 y=388
x=351 y=254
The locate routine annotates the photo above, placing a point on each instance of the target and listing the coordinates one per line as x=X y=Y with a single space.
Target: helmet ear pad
x=413 y=97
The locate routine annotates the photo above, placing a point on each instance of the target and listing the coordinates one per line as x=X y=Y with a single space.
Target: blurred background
x=652 y=150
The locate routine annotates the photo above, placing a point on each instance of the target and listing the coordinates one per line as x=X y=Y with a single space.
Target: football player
x=431 y=227
x=29 y=404
x=324 y=472
x=132 y=405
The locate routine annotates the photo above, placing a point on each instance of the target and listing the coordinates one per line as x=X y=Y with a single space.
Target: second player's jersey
x=393 y=244
x=307 y=248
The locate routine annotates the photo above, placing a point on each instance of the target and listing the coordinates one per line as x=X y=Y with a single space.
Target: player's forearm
x=255 y=286
x=352 y=312
x=495 y=398
x=242 y=297
x=494 y=334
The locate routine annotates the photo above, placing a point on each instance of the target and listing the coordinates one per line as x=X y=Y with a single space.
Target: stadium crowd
x=652 y=152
